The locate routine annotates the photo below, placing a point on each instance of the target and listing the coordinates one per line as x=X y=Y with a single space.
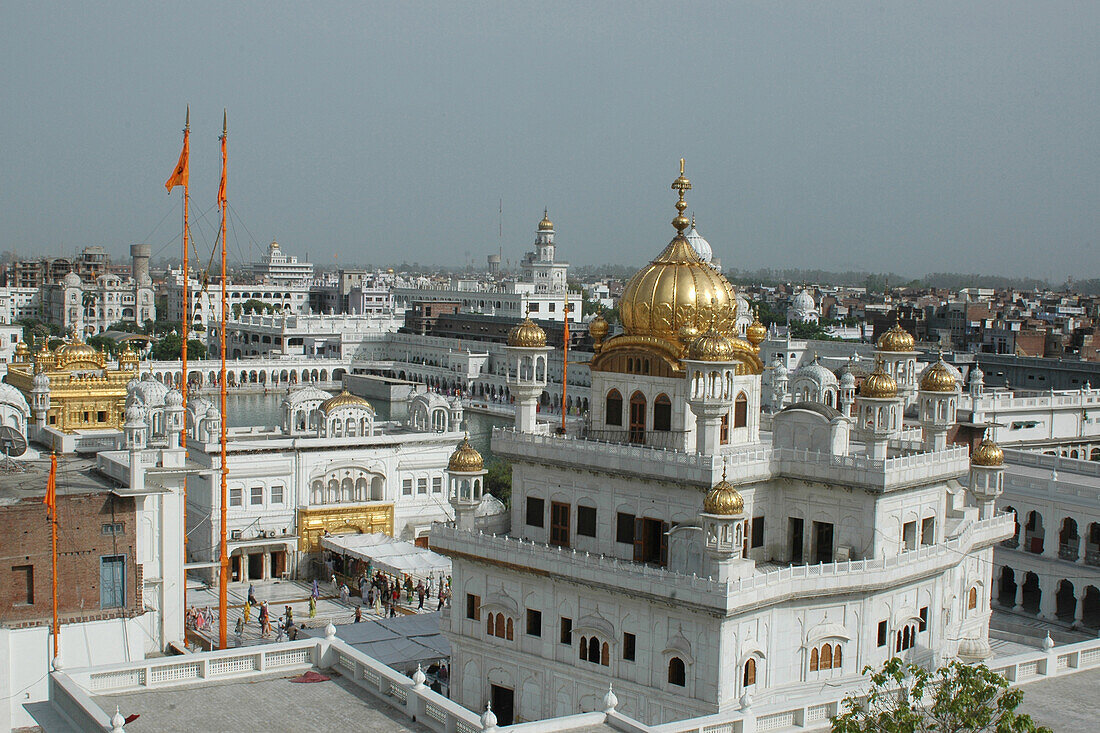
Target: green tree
x=169 y=348
x=958 y=698
x=252 y=305
x=103 y=343
x=498 y=480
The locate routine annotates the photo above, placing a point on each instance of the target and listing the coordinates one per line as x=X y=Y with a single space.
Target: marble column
x=1019 y=605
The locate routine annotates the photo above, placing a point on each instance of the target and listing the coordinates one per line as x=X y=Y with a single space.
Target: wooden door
x=637 y=418
x=559 y=524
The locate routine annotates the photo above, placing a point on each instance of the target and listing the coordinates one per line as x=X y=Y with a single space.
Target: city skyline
x=914 y=139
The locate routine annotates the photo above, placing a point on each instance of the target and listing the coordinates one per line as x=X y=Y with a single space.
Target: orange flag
x=179 y=176
x=225 y=167
x=50 y=499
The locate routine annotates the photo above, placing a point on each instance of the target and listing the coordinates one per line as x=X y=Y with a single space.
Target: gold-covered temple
x=87 y=390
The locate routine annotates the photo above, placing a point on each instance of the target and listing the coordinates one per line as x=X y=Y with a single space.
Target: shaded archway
x=1031 y=595
x=1065 y=601
x=1006 y=594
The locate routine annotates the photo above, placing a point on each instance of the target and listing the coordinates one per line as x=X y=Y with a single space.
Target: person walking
x=441 y=595
x=251 y=595
x=335 y=586
x=247 y=613
x=312 y=607
x=420 y=596
x=358 y=614
x=239 y=630
x=265 y=620
x=316 y=592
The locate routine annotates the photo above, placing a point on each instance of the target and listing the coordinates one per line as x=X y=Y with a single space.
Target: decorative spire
x=187 y=120
x=681 y=185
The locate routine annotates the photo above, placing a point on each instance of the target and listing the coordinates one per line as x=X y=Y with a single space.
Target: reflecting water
x=245 y=410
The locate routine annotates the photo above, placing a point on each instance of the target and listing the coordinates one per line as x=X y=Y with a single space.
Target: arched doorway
x=637 y=418
x=1031 y=593
x=1090 y=607
x=1068 y=540
x=1007 y=593
x=1065 y=601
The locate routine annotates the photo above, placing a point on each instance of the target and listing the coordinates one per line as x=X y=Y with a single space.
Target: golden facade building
x=83 y=389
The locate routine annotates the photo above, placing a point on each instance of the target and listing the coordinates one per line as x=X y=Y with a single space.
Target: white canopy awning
x=389 y=553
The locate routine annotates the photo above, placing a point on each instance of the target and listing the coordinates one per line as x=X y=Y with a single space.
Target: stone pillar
x=1019 y=604
x=1079 y=610
x=1048 y=601
x=1080 y=546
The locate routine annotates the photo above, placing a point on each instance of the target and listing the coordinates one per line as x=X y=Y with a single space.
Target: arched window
x=605 y=654
x=584 y=648
x=724 y=431
x=637 y=418
x=490 y=625
x=972 y=599
x=827 y=656
x=613 y=410
x=836 y=657
x=750 y=672
x=677 y=673
x=662 y=413
x=593 y=650
x=510 y=629
x=741 y=411
x=500 y=625
x=813 y=659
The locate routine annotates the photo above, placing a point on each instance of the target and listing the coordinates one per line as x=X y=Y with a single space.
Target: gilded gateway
x=85 y=390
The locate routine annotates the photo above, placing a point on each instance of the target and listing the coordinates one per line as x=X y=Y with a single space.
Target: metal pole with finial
x=223 y=555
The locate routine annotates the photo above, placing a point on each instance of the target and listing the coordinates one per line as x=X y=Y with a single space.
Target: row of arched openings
x=496 y=625
x=591 y=650
x=828 y=656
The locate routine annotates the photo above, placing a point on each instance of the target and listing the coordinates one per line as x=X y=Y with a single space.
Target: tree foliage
x=169 y=347
x=958 y=698
x=498 y=480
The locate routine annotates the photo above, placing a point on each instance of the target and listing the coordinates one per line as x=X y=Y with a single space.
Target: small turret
x=987 y=467
x=466 y=471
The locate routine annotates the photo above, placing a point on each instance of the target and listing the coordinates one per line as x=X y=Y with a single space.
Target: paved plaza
x=293 y=593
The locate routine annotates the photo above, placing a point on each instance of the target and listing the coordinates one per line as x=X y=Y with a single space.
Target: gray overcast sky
x=909 y=136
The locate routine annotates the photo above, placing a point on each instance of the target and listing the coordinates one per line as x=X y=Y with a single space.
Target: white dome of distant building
x=71 y=280
x=803 y=308
x=700 y=245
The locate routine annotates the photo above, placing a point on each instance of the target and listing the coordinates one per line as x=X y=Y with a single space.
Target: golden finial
x=693 y=220
x=681 y=185
x=225 y=122
x=187 y=119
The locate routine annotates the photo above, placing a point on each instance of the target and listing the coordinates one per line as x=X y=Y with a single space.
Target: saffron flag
x=225 y=173
x=50 y=499
x=179 y=176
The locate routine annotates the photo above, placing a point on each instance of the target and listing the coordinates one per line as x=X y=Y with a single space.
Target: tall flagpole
x=223 y=585
x=51 y=500
x=565 y=361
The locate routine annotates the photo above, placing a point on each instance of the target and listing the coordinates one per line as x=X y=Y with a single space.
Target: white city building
x=206 y=299
x=91 y=308
x=541 y=291
x=696 y=561
x=278 y=268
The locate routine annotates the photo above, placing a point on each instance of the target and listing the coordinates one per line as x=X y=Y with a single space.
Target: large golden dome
x=344 y=399
x=987 y=454
x=723 y=499
x=897 y=339
x=465 y=459
x=938 y=378
x=527 y=335
x=879 y=385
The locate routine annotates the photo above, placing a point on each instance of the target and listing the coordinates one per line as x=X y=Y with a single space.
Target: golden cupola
x=723 y=499
x=757 y=331
x=712 y=346
x=546 y=225
x=896 y=340
x=879 y=385
x=987 y=454
x=678 y=296
x=598 y=328
x=938 y=378
x=527 y=334
x=466 y=459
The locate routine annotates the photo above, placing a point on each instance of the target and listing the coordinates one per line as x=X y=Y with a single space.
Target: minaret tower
x=527 y=365
x=40 y=399
x=173 y=417
x=846 y=394
x=898 y=353
x=544 y=238
x=987 y=468
x=723 y=520
x=878 y=410
x=710 y=368
x=466 y=473
x=938 y=402
x=134 y=430
x=976 y=384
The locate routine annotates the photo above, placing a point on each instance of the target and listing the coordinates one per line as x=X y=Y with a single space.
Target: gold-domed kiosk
x=987 y=454
x=723 y=499
x=879 y=385
x=667 y=304
x=465 y=459
x=896 y=340
x=938 y=378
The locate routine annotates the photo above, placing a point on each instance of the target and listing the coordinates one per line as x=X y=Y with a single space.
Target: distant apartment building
x=276 y=267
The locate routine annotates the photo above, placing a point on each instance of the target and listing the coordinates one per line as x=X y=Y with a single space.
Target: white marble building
x=697 y=561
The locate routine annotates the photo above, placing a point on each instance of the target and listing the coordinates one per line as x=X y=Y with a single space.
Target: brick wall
x=81 y=543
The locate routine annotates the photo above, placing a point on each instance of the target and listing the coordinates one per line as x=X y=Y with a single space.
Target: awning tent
x=389 y=554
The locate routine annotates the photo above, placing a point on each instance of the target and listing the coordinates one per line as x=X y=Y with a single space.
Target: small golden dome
x=527 y=335
x=879 y=385
x=21 y=349
x=598 y=327
x=712 y=346
x=723 y=499
x=465 y=459
x=987 y=453
x=757 y=331
x=546 y=225
x=897 y=339
x=77 y=349
x=344 y=399
x=938 y=378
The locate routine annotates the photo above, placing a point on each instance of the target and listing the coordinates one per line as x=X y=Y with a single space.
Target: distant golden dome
x=757 y=331
x=344 y=399
x=77 y=349
x=546 y=225
x=987 y=453
x=938 y=378
x=21 y=349
x=598 y=328
x=712 y=346
x=879 y=384
x=527 y=335
x=897 y=339
x=723 y=499
x=465 y=459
